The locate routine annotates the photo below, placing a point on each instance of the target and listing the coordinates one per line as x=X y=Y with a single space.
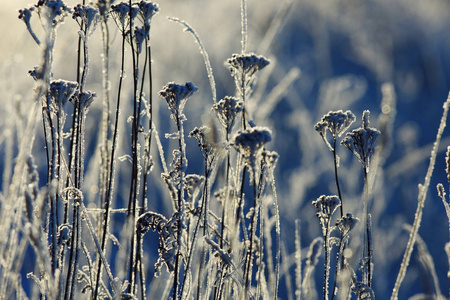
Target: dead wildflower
x=243 y=67
x=249 y=142
x=362 y=141
x=326 y=206
x=226 y=110
x=246 y=64
x=55 y=10
x=193 y=184
x=176 y=96
x=270 y=159
x=201 y=136
x=167 y=230
x=61 y=91
x=346 y=224
x=336 y=122
x=140 y=34
x=87 y=18
x=147 y=11
x=122 y=16
x=84 y=99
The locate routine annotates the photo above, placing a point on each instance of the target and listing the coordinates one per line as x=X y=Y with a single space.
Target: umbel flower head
x=84 y=99
x=244 y=66
x=121 y=15
x=346 y=224
x=326 y=206
x=247 y=64
x=61 y=91
x=87 y=17
x=362 y=141
x=176 y=96
x=226 y=110
x=147 y=11
x=56 y=10
x=336 y=122
x=249 y=142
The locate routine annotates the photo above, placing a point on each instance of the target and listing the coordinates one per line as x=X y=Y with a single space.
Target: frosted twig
x=191 y=30
x=421 y=201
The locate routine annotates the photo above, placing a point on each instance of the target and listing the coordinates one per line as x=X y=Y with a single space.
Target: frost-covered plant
x=362 y=141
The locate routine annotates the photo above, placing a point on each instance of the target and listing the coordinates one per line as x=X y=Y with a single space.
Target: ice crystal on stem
x=362 y=141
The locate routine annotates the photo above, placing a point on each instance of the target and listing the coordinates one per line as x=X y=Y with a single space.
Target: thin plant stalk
x=110 y=180
x=421 y=202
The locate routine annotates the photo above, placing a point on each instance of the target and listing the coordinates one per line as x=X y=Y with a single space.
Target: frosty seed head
x=246 y=64
x=121 y=15
x=140 y=33
x=250 y=142
x=336 y=122
x=326 y=205
x=362 y=141
x=346 y=224
x=176 y=96
x=84 y=99
x=201 y=136
x=270 y=158
x=243 y=67
x=56 y=10
x=226 y=110
x=61 y=91
x=87 y=17
x=147 y=11
x=193 y=183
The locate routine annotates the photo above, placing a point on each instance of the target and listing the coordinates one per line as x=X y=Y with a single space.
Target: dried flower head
x=84 y=99
x=103 y=7
x=246 y=64
x=226 y=110
x=61 y=91
x=250 y=142
x=326 y=206
x=140 y=34
x=362 y=141
x=336 y=122
x=55 y=10
x=270 y=158
x=243 y=67
x=193 y=184
x=87 y=18
x=346 y=224
x=201 y=136
x=176 y=96
x=121 y=15
x=147 y=11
